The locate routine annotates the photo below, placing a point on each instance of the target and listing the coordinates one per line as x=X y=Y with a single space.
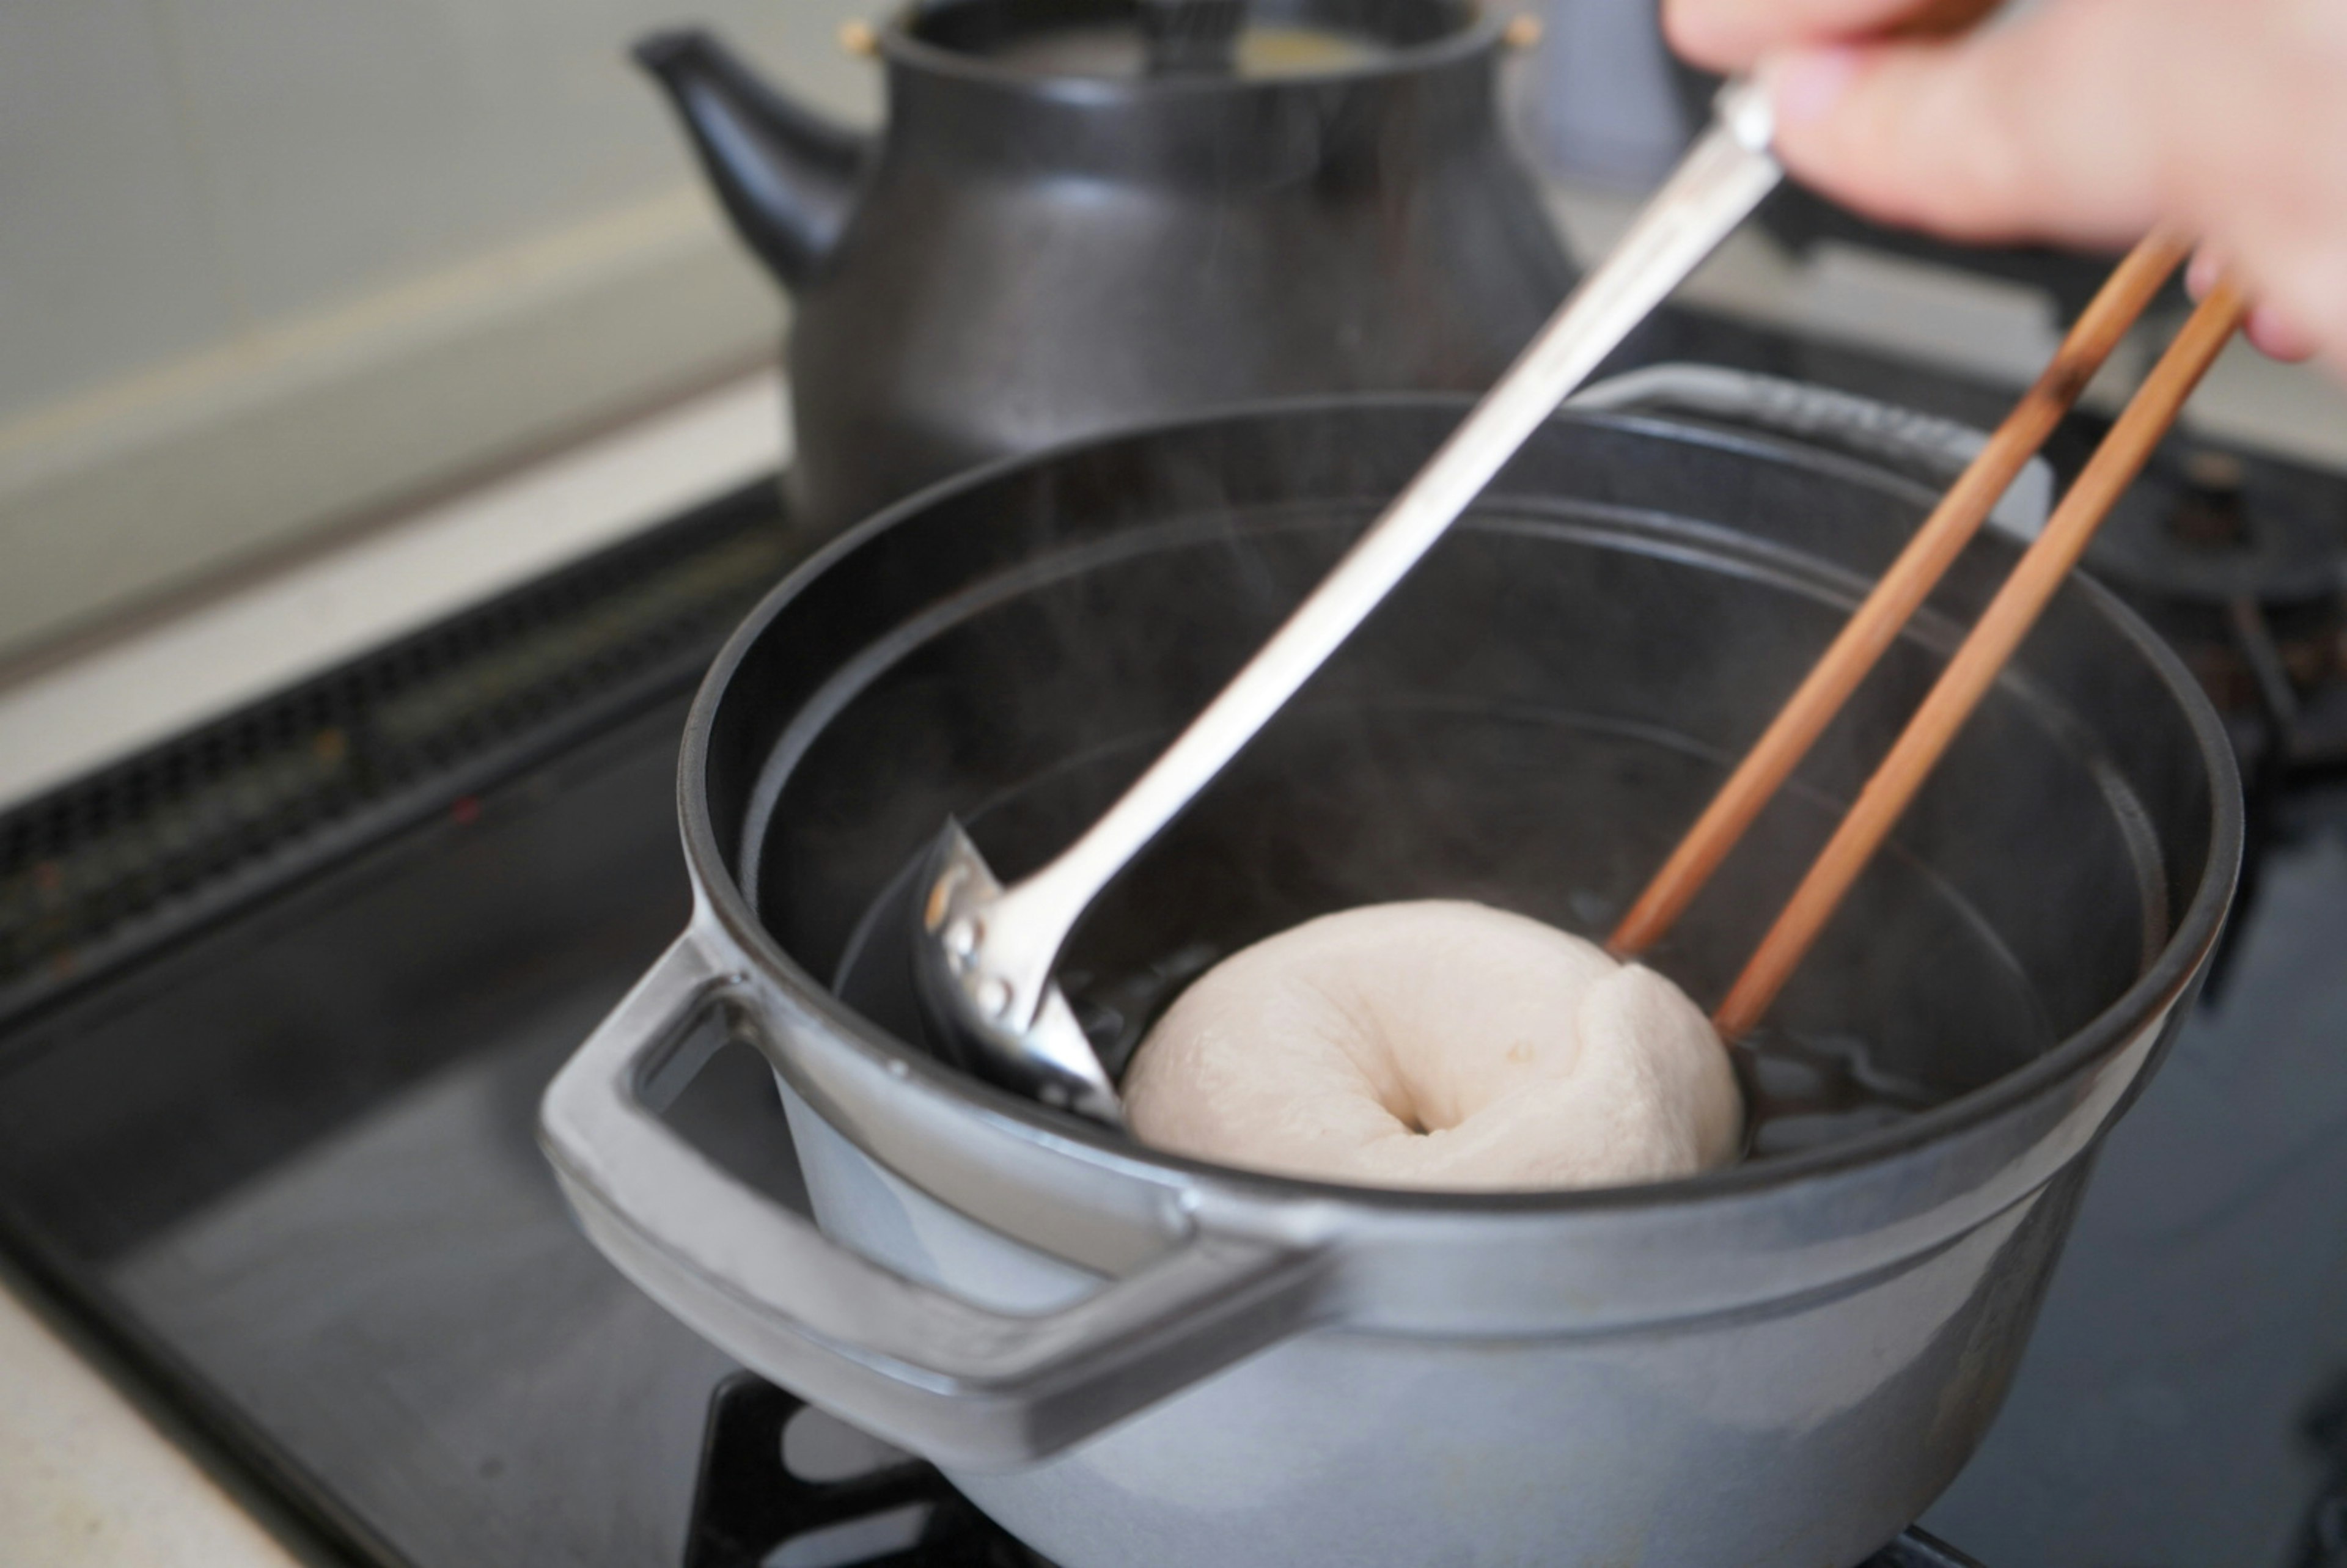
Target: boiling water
x=1224 y=884
x=1801 y=1090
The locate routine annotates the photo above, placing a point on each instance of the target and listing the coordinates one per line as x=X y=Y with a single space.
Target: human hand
x=2080 y=121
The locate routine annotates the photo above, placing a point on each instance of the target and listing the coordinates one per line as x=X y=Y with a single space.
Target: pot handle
x=953 y=1382
x=1939 y=449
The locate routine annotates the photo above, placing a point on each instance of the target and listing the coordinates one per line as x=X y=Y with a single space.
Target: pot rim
x=899 y=46
x=2163 y=982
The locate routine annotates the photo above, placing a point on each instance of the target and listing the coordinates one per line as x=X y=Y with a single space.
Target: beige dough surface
x=1437 y=1044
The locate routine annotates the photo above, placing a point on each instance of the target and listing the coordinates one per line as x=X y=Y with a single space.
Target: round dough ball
x=1437 y=1044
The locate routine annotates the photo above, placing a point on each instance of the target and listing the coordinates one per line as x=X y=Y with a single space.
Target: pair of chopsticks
x=1984 y=653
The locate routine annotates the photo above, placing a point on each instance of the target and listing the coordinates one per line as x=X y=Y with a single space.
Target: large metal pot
x=1139 y=1360
x=1044 y=244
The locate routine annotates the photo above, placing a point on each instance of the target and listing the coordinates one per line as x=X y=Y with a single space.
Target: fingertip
x=2272 y=330
x=2201 y=276
x=1703 y=32
x=2279 y=336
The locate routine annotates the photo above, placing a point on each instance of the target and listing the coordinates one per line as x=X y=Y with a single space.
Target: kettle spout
x=787 y=176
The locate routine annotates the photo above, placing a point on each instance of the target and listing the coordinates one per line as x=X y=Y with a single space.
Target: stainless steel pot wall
x=1134 y=1359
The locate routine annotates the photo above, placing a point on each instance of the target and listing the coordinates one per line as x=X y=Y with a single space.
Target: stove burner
x=2243 y=567
x=2209 y=514
x=752 y=1510
x=2207 y=537
x=2323 y=1543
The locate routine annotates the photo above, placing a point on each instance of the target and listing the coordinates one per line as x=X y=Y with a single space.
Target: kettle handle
x=1921 y=445
x=957 y=1383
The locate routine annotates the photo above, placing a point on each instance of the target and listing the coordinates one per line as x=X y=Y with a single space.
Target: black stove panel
x=353 y=1251
x=277 y=1001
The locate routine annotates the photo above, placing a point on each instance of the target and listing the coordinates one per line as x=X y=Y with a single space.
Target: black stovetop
x=277 y=1001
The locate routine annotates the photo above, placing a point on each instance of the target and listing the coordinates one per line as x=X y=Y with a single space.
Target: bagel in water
x=1437 y=1044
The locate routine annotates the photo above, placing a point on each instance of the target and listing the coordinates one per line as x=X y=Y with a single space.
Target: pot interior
x=1530 y=722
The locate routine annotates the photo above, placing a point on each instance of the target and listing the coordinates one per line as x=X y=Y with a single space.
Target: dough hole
x=1437 y=1044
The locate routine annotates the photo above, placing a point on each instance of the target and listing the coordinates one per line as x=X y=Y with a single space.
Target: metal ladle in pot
x=983 y=955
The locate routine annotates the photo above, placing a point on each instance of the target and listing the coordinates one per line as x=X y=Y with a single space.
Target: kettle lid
x=1252 y=40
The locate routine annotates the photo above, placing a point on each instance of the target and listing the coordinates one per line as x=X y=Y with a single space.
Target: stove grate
x=752 y=1510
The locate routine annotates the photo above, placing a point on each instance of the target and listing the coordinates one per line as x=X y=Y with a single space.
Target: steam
x=1529 y=722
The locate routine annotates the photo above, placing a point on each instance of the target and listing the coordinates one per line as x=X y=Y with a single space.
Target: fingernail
x=1805 y=85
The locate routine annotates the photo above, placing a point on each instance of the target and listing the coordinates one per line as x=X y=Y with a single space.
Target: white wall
x=267 y=266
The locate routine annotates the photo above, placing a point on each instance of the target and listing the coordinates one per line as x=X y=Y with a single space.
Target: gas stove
x=278 y=998
x=782 y=1485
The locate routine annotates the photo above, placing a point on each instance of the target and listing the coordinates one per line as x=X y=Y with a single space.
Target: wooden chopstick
x=1871 y=630
x=1974 y=668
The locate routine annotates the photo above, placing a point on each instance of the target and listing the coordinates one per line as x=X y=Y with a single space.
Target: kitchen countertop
x=256 y=636
x=88 y=1479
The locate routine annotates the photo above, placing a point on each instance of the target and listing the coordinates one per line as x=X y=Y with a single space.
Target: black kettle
x=1089 y=213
